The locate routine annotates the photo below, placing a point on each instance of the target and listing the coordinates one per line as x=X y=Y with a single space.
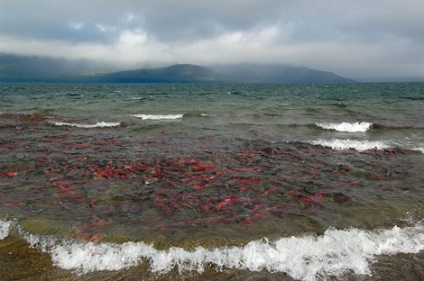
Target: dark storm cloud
x=353 y=38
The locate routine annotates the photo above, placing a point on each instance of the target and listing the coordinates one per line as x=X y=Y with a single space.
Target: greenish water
x=191 y=181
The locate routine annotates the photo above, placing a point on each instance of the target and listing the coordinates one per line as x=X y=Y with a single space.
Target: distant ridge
x=50 y=70
x=14 y=68
x=237 y=73
x=265 y=73
x=179 y=73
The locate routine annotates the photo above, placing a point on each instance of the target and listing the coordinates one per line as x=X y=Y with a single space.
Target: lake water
x=216 y=182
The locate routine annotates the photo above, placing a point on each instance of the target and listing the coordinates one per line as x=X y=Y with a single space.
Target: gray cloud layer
x=357 y=39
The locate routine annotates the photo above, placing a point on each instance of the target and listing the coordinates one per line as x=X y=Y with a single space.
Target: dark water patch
x=196 y=115
x=75 y=95
x=382 y=127
x=141 y=128
x=236 y=93
x=414 y=98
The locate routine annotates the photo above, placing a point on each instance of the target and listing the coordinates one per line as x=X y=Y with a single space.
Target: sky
x=358 y=39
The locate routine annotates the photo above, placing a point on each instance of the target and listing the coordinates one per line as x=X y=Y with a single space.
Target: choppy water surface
x=270 y=182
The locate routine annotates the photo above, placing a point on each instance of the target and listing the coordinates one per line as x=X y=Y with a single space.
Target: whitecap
x=420 y=149
x=5 y=227
x=345 y=144
x=158 y=116
x=357 y=127
x=88 y=126
x=335 y=253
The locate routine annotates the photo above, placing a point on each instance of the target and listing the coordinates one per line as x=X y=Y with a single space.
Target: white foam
x=5 y=227
x=303 y=258
x=357 y=127
x=345 y=144
x=158 y=116
x=89 y=126
x=420 y=149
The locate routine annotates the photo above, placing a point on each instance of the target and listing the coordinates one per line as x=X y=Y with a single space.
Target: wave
x=89 y=126
x=362 y=145
x=158 y=116
x=362 y=127
x=335 y=253
x=420 y=149
x=5 y=227
x=197 y=115
x=345 y=144
x=357 y=127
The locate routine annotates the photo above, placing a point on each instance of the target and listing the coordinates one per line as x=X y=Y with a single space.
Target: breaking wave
x=158 y=116
x=344 y=144
x=5 y=227
x=335 y=253
x=357 y=127
x=89 y=126
x=362 y=145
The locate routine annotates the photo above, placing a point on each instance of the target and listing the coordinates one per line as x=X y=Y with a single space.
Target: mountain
x=237 y=73
x=179 y=73
x=263 y=73
x=14 y=68
x=44 y=69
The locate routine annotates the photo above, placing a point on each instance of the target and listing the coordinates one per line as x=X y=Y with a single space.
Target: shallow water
x=268 y=182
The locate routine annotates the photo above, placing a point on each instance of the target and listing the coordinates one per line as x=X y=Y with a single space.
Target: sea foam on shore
x=335 y=253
